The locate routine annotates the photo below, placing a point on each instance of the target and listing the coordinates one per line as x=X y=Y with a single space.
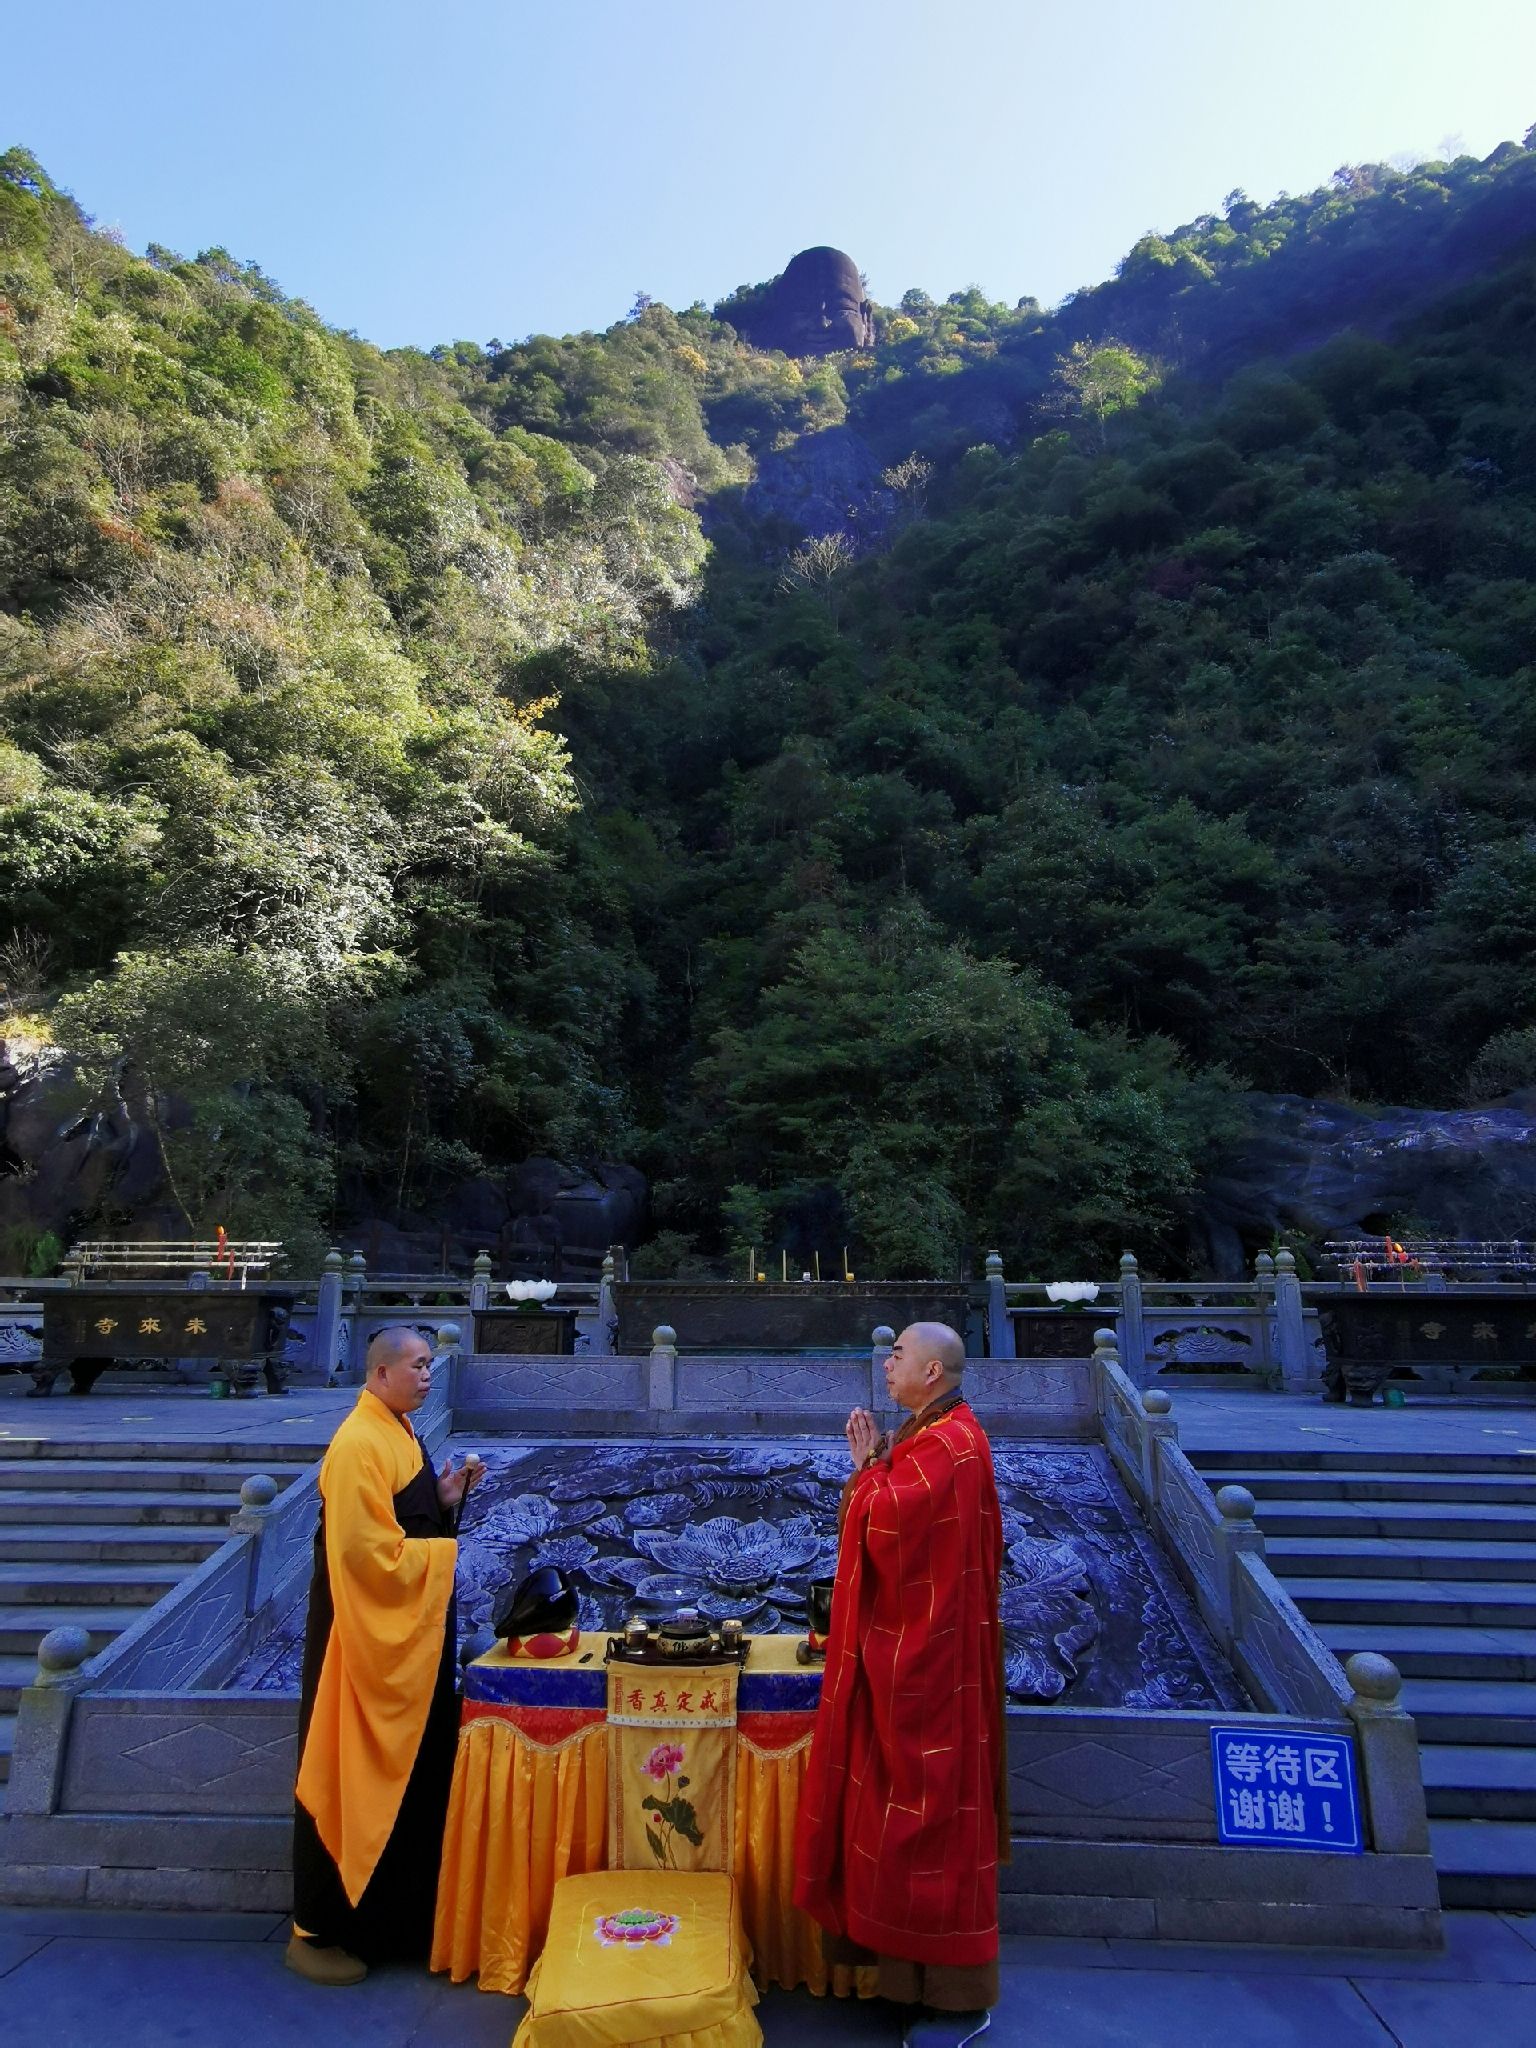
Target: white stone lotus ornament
x=531 y=1290
x=1072 y=1290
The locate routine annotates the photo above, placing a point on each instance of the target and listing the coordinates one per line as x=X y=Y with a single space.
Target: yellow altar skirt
x=643 y=1957
x=522 y=1816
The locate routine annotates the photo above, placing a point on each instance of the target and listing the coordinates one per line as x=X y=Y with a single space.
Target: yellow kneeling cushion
x=640 y=1956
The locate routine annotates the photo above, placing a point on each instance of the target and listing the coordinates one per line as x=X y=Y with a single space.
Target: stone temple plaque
x=727 y=1315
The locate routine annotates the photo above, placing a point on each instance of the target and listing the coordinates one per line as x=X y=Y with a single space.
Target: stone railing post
x=1388 y=1747
x=42 y=1721
x=1264 y=1288
x=1000 y=1338
x=325 y=1331
x=881 y=1338
x=1290 y=1326
x=1157 y=1424
x=1104 y=1353
x=1130 y=1326
x=258 y=1496
x=663 y=1378
x=1237 y=1534
x=480 y=1284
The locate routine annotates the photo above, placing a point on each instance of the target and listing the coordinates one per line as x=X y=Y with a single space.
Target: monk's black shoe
x=945 y=2029
x=317 y=1965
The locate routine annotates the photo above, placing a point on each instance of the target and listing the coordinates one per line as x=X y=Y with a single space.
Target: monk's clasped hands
x=864 y=1437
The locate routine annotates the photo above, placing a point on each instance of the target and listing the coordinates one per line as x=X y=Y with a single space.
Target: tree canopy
x=414 y=762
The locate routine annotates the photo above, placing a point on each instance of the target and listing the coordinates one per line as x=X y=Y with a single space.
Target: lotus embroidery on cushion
x=630 y=1928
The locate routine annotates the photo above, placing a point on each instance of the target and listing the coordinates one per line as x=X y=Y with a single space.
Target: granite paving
x=145 y=1980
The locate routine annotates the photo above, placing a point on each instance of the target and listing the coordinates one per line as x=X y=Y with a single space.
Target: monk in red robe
x=902 y=1819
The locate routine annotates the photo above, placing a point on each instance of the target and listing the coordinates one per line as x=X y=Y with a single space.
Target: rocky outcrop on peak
x=1324 y=1169
x=815 y=307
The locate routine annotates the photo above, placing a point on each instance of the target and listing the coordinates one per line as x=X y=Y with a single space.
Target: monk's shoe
x=330 y=1966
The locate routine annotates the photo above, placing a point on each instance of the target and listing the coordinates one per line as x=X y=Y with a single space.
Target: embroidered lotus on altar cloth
x=634 y=1925
x=730 y=1556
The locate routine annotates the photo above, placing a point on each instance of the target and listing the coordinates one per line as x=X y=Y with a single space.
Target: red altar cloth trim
x=774 y=1734
x=541 y=1727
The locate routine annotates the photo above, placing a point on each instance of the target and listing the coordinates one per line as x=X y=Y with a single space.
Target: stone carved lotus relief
x=1091 y=1615
x=730 y=1556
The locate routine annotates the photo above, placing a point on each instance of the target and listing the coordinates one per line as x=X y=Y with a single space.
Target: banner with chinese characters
x=1293 y=1790
x=671 y=1766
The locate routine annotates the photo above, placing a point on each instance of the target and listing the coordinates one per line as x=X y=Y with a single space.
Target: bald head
x=399 y=1368
x=926 y=1361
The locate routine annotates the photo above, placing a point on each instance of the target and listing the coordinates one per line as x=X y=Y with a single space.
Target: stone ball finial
x=61 y=1651
x=882 y=1333
x=1128 y=1263
x=449 y=1336
x=1157 y=1401
x=1105 y=1340
x=1264 y=1266
x=332 y=1262
x=1374 y=1677
x=1236 y=1503
x=482 y=1265
x=1285 y=1262
x=994 y=1264
x=663 y=1337
x=259 y=1491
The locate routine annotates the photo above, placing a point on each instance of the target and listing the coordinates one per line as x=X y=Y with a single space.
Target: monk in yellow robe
x=378 y=1710
x=902 y=1818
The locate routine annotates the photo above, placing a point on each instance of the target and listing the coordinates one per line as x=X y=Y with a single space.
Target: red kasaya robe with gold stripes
x=898 y=1835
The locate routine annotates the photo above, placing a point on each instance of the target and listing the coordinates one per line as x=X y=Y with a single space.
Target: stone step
x=1407 y=1463
x=1381 y=1602
x=252 y=1455
x=1389 y=1557
x=1482 y=1710
x=1478 y=1781
x=107 y=1543
x=149 y=1475
x=137 y=1507
x=17 y=1668
x=87 y=1585
x=1487 y=1864
x=1408 y=1521
x=1427 y=1651
x=22 y=1628
x=1494 y=1488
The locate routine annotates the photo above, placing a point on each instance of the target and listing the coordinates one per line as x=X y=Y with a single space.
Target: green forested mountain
x=413 y=763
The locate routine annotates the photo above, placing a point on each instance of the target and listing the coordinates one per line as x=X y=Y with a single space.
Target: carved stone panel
x=203 y=1753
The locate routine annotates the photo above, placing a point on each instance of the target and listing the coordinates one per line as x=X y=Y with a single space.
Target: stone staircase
x=1429 y=1558
x=93 y=1533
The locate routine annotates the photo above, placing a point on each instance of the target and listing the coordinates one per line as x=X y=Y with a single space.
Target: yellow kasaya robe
x=378 y=1717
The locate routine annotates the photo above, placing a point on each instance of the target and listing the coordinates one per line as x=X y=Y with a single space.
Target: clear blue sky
x=427 y=172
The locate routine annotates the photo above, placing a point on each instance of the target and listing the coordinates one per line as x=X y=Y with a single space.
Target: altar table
x=529 y=1806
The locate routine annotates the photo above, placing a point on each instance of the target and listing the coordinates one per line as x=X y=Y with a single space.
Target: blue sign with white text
x=1291 y=1790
